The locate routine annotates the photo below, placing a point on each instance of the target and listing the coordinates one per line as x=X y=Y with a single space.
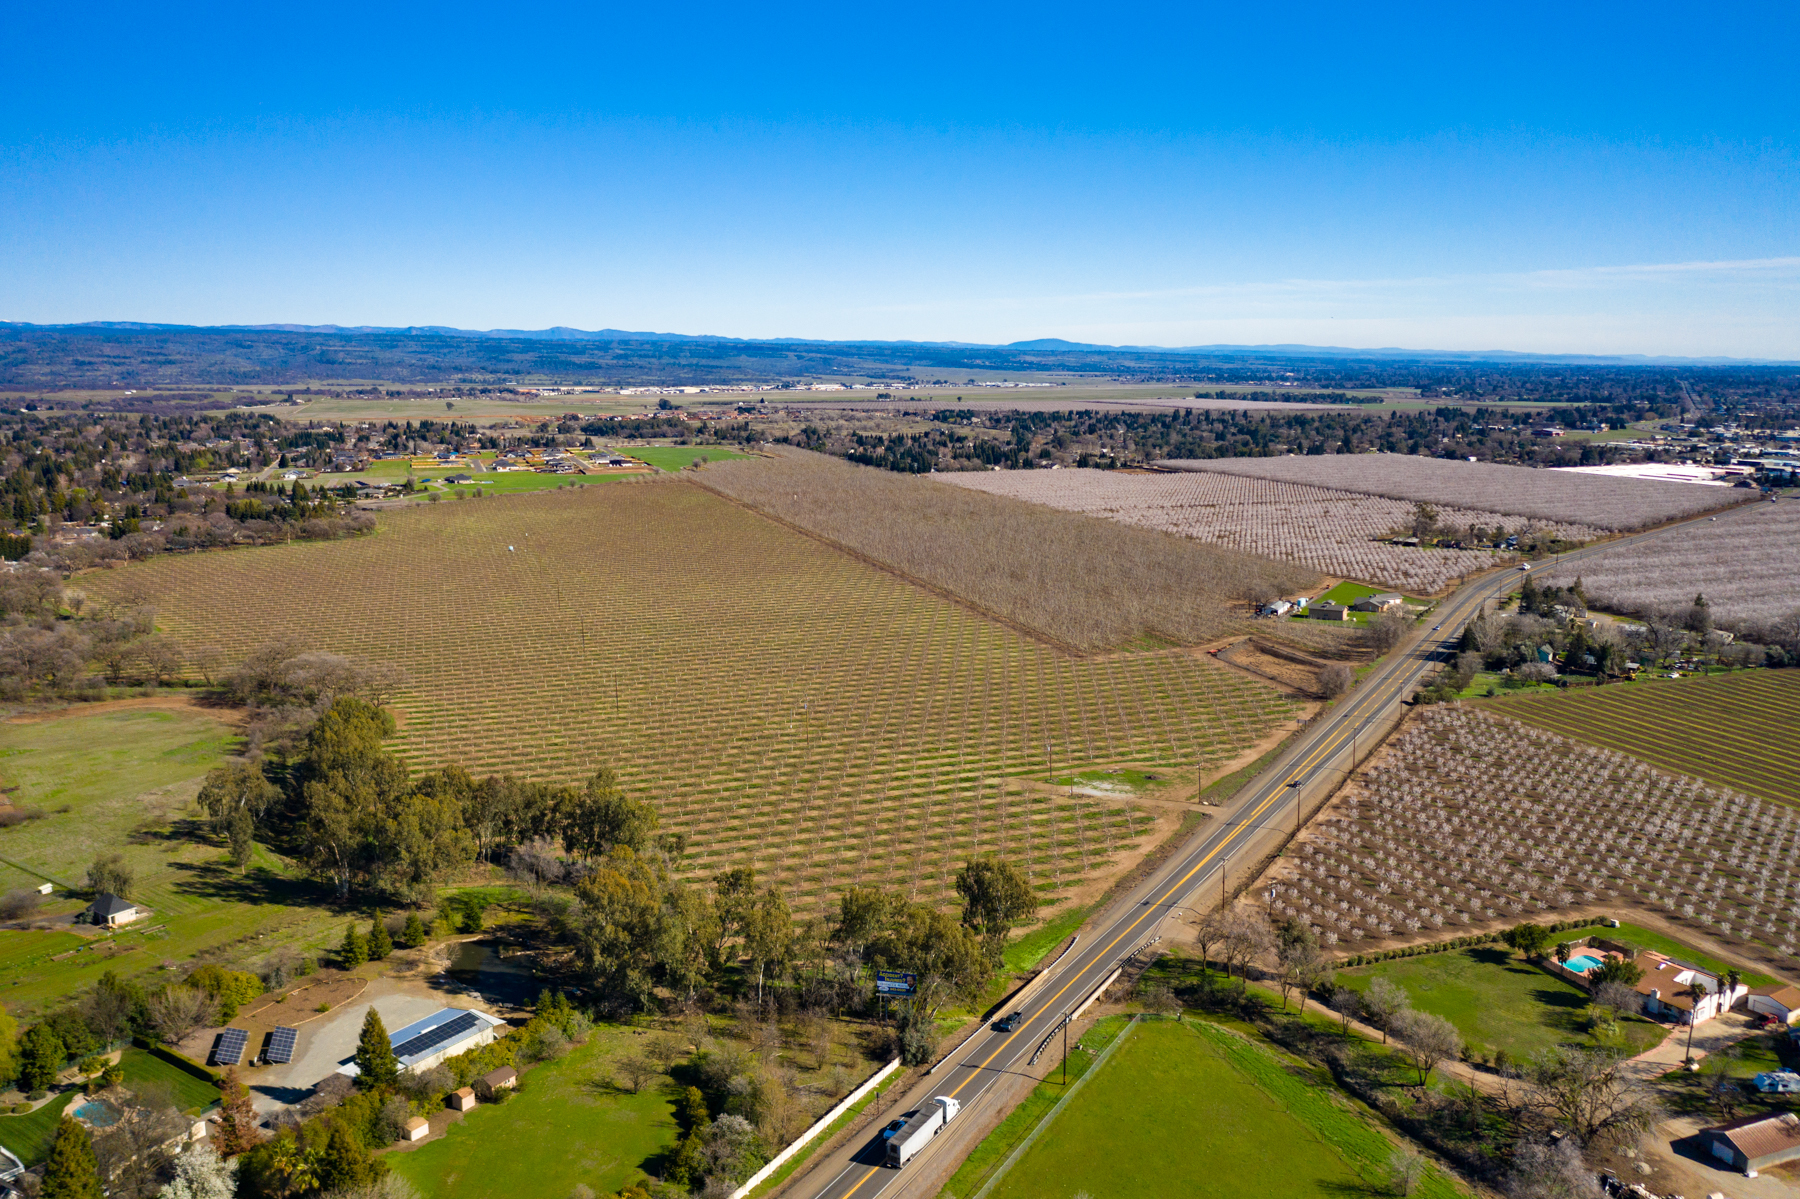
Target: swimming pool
x=98 y=1113
x=1582 y=964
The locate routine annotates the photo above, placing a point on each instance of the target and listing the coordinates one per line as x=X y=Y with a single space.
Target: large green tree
x=996 y=897
x=602 y=816
x=41 y=1056
x=375 y=1060
x=72 y=1171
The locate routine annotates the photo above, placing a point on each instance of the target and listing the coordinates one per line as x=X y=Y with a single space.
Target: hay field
x=1330 y=531
x=1745 y=566
x=787 y=706
x=1469 y=818
x=1086 y=583
x=1605 y=501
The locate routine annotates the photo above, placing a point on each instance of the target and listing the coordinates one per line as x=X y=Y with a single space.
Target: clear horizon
x=1612 y=181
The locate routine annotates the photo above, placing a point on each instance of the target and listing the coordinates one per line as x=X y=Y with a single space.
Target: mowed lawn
x=1497 y=1000
x=1195 y=1109
x=564 y=1127
x=30 y=1136
x=1736 y=730
x=123 y=780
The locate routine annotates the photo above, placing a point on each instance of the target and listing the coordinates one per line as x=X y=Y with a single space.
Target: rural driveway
x=327 y=1042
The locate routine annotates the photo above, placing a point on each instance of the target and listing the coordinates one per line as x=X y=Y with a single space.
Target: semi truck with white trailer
x=920 y=1127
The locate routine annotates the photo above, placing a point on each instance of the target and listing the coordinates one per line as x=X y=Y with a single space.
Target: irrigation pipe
x=1012 y=1158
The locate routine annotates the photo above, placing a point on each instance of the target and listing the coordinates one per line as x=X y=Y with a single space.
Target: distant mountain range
x=1041 y=344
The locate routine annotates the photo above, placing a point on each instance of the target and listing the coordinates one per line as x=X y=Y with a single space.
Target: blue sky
x=1612 y=179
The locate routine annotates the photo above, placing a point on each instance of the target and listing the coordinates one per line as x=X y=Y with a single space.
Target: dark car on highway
x=1008 y=1023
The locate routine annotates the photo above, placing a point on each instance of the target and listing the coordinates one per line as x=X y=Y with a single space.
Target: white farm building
x=443 y=1034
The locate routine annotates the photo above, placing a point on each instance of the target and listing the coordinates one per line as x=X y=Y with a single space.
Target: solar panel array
x=281 y=1045
x=431 y=1038
x=232 y=1043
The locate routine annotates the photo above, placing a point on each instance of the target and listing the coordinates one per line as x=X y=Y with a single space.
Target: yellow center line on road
x=1327 y=746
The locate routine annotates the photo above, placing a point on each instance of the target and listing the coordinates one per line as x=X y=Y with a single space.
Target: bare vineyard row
x=1331 y=531
x=1471 y=818
x=1085 y=583
x=1605 y=501
x=1734 y=730
x=788 y=707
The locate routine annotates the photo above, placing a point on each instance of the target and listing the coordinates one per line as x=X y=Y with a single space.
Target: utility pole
x=1065 y=1051
x=1224 y=864
x=1294 y=790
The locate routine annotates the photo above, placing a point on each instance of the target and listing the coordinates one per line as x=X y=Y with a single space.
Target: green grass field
x=142 y=1069
x=678 y=457
x=1645 y=938
x=1196 y=1109
x=30 y=1136
x=1736 y=730
x=787 y=706
x=565 y=1127
x=127 y=778
x=1497 y=1000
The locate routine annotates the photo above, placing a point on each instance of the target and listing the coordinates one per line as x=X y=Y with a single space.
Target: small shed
x=462 y=1100
x=418 y=1128
x=497 y=1080
x=1755 y=1143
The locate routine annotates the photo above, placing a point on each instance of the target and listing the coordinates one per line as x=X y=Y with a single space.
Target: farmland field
x=1082 y=581
x=1556 y=495
x=1332 y=531
x=1196 y=1109
x=122 y=780
x=785 y=705
x=1745 y=566
x=1471 y=819
x=1736 y=730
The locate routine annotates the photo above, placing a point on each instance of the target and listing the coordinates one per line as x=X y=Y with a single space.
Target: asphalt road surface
x=1319 y=756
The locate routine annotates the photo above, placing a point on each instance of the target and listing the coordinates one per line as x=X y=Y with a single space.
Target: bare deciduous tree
x=177 y=1011
x=1587 y=1093
x=1383 y=1003
x=1335 y=679
x=1427 y=1040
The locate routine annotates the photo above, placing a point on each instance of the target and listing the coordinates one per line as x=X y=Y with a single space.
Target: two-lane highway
x=1319 y=755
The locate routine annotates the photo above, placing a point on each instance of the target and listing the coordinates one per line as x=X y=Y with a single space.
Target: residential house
x=1378 y=603
x=1278 y=608
x=1755 y=1143
x=110 y=911
x=1668 y=988
x=1328 y=612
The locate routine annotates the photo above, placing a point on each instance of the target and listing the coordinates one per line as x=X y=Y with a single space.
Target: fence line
x=1019 y=1149
x=820 y=1125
